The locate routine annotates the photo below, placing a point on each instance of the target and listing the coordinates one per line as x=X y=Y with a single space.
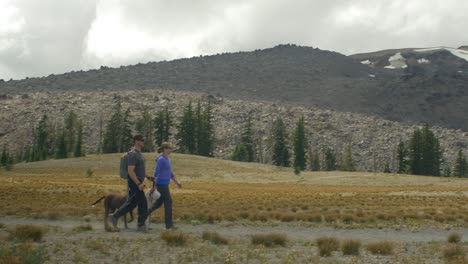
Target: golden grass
x=454 y=253
x=269 y=240
x=220 y=190
x=214 y=237
x=381 y=248
x=174 y=238
x=327 y=245
x=350 y=247
x=27 y=232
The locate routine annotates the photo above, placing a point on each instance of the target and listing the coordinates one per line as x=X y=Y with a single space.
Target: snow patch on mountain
x=366 y=62
x=397 y=61
x=463 y=54
x=423 y=61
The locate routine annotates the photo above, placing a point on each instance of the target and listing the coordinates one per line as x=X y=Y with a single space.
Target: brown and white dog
x=112 y=202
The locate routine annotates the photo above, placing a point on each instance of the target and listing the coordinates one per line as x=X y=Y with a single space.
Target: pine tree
x=315 y=161
x=447 y=172
x=402 y=158
x=185 y=136
x=112 y=135
x=206 y=139
x=240 y=153
x=280 y=149
x=300 y=146
x=247 y=139
x=9 y=162
x=70 y=123
x=127 y=138
x=461 y=166
x=163 y=124
x=42 y=140
x=78 y=151
x=4 y=157
x=415 y=153
x=330 y=160
x=145 y=126
x=387 y=168
x=61 y=151
x=348 y=162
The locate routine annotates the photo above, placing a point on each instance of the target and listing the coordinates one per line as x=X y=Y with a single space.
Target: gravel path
x=239 y=231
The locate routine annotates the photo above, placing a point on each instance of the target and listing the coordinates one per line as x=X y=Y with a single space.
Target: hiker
x=135 y=180
x=163 y=175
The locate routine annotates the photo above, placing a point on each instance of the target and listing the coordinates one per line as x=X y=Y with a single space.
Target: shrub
x=327 y=245
x=82 y=228
x=89 y=172
x=351 y=247
x=53 y=216
x=270 y=240
x=454 y=238
x=27 y=232
x=381 y=248
x=174 y=238
x=214 y=238
x=23 y=253
x=454 y=252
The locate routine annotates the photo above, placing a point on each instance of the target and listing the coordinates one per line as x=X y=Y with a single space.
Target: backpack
x=124 y=166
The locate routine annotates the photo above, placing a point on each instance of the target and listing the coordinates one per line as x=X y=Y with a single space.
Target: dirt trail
x=239 y=231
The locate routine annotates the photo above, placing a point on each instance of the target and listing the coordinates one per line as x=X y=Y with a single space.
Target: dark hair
x=138 y=138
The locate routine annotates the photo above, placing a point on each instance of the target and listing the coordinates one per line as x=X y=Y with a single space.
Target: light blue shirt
x=163 y=170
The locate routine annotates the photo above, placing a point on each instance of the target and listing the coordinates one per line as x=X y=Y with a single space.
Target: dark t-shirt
x=135 y=158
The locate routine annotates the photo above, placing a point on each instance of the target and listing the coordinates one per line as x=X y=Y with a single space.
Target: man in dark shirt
x=136 y=177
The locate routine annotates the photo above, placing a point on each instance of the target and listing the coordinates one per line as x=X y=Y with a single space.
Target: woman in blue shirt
x=163 y=175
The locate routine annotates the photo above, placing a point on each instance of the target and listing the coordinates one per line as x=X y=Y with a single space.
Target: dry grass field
x=252 y=198
x=218 y=190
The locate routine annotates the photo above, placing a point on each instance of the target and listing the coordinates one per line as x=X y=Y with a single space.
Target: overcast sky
x=40 y=37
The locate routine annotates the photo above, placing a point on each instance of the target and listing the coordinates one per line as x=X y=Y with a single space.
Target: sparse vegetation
x=269 y=240
x=454 y=253
x=174 y=238
x=454 y=238
x=327 y=245
x=27 y=232
x=214 y=237
x=82 y=228
x=24 y=253
x=381 y=248
x=350 y=247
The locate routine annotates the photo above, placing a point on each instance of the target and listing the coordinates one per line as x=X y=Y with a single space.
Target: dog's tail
x=98 y=201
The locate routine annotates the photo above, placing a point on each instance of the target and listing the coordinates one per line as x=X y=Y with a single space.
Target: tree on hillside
x=145 y=126
x=4 y=157
x=240 y=153
x=348 y=162
x=280 y=148
x=61 y=151
x=163 y=124
x=70 y=129
x=314 y=160
x=42 y=141
x=205 y=131
x=186 y=138
x=78 y=151
x=300 y=145
x=247 y=139
x=461 y=166
x=402 y=158
x=425 y=155
x=118 y=134
x=330 y=159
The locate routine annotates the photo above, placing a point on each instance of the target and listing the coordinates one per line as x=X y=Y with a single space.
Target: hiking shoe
x=142 y=229
x=172 y=228
x=114 y=221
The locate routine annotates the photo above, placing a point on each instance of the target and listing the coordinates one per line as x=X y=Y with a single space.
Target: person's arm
x=157 y=172
x=175 y=180
x=133 y=177
x=132 y=160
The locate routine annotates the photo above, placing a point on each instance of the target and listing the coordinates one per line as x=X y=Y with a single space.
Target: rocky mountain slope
x=417 y=86
x=373 y=139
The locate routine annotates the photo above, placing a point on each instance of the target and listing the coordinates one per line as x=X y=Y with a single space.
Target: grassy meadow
x=218 y=190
